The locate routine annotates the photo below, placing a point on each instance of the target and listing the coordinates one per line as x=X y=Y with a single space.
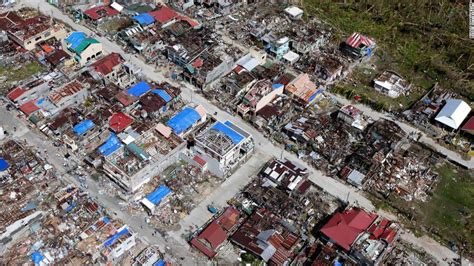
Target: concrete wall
x=268 y=98
x=92 y=52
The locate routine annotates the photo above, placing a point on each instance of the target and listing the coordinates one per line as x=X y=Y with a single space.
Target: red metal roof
x=106 y=64
x=29 y=107
x=199 y=160
x=210 y=239
x=15 y=93
x=126 y=99
x=229 y=218
x=469 y=126
x=198 y=63
x=164 y=14
x=356 y=39
x=191 y=22
x=344 y=228
x=389 y=235
x=120 y=121
x=99 y=12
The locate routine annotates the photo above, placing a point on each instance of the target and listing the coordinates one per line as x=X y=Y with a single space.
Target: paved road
x=332 y=186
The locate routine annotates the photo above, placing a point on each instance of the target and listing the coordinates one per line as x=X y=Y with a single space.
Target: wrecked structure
x=222 y=147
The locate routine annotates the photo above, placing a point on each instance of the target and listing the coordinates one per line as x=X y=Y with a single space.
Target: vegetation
x=249 y=258
x=426 y=41
x=14 y=74
x=449 y=213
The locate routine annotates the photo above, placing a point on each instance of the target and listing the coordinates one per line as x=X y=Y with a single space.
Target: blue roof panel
x=75 y=39
x=111 y=145
x=114 y=238
x=229 y=132
x=160 y=263
x=156 y=196
x=37 y=257
x=163 y=94
x=3 y=164
x=183 y=120
x=139 y=89
x=144 y=19
x=83 y=127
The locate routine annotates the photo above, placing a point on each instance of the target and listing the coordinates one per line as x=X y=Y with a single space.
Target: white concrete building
x=392 y=84
x=294 y=12
x=222 y=147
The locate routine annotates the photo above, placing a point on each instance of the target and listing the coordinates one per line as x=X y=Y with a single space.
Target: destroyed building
x=392 y=84
x=223 y=147
x=268 y=237
x=28 y=32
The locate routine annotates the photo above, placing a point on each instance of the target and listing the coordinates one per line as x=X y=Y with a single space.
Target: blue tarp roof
x=229 y=132
x=3 y=164
x=114 y=238
x=37 y=257
x=144 y=19
x=277 y=86
x=160 y=263
x=75 y=39
x=183 y=120
x=83 y=127
x=312 y=97
x=163 y=94
x=106 y=220
x=139 y=89
x=111 y=145
x=156 y=196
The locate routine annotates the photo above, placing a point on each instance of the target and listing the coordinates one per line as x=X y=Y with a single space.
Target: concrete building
x=352 y=116
x=392 y=84
x=260 y=94
x=303 y=90
x=84 y=49
x=70 y=94
x=294 y=12
x=29 y=32
x=222 y=146
x=276 y=46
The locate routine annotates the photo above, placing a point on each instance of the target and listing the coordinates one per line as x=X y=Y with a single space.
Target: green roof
x=84 y=44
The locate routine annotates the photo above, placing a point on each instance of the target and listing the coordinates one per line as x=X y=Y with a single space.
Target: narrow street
x=263 y=146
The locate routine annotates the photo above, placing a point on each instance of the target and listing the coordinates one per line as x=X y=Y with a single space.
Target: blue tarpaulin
x=160 y=263
x=319 y=91
x=75 y=39
x=28 y=207
x=163 y=94
x=156 y=196
x=183 y=120
x=144 y=19
x=139 y=89
x=83 y=127
x=111 y=145
x=40 y=101
x=106 y=220
x=37 y=257
x=114 y=238
x=277 y=86
x=229 y=132
x=71 y=206
x=3 y=164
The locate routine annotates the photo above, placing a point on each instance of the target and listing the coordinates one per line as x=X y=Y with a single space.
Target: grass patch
x=15 y=74
x=425 y=41
x=449 y=212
